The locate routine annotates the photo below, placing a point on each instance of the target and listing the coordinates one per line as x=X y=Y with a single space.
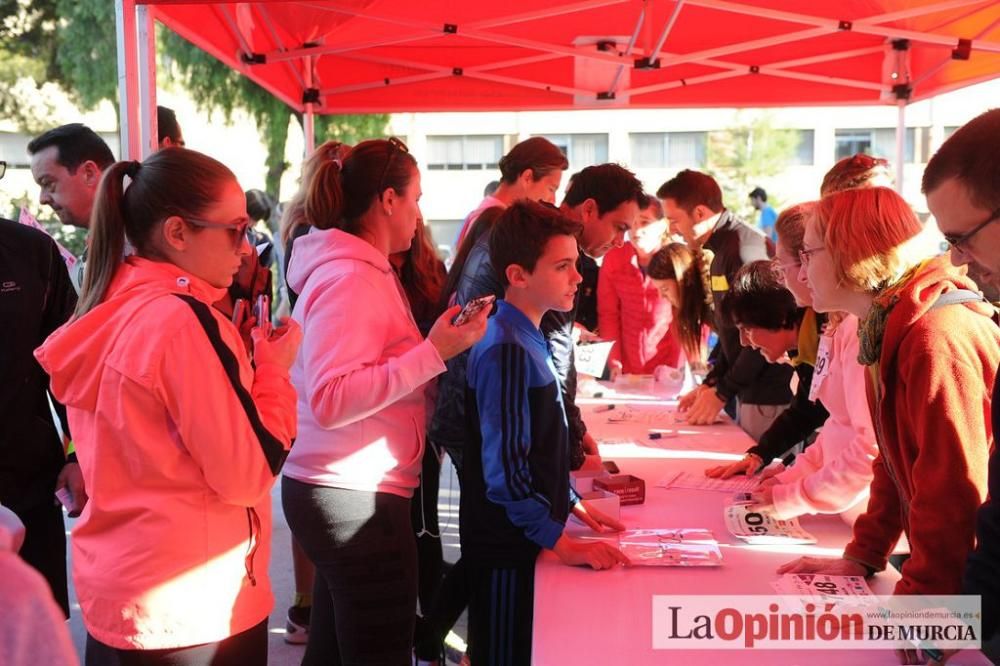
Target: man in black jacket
x=692 y=202
x=36 y=297
x=962 y=184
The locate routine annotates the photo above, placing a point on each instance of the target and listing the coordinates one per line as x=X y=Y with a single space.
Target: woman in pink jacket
x=630 y=309
x=361 y=376
x=179 y=437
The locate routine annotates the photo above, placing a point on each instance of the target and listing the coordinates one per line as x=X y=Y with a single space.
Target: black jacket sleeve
x=558 y=330
x=794 y=424
x=448 y=424
x=60 y=301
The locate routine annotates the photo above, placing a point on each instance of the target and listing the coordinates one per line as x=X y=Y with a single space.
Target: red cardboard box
x=630 y=489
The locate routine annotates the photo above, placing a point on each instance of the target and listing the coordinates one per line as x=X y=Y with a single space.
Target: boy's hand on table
x=685 y=402
x=594 y=554
x=595 y=519
x=747 y=465
x=706 y=408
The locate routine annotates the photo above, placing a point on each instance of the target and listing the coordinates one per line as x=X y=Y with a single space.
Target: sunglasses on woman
x=238 y=231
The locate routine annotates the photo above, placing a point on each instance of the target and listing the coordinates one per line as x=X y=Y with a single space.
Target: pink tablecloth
x=585 y=617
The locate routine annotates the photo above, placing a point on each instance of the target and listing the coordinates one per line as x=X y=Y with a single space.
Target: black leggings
x=247 y=648
x=424 y=513
x=365 y=596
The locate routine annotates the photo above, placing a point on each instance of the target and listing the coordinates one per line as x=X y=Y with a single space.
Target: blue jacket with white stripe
x=515 y=480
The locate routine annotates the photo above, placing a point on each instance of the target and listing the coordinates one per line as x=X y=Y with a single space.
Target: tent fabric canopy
x=359 y=56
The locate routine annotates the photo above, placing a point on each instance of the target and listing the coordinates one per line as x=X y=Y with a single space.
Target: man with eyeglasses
x=962 y=184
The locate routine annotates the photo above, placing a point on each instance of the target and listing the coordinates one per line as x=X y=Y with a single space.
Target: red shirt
x=631 y=311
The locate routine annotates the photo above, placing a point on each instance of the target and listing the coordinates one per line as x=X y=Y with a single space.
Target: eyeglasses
x=395 y=146
x=956 y=241
x=238 y=231
x=805 y=255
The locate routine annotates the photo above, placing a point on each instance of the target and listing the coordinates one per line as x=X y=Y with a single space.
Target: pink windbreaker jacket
x=178 y=453
x=361 y=372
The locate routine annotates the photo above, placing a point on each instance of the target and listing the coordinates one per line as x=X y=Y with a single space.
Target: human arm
x=346 y=377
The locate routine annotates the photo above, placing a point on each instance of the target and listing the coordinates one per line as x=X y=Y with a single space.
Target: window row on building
x=678 y=150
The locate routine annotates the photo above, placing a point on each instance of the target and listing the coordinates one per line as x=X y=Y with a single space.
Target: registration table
x=584 y=616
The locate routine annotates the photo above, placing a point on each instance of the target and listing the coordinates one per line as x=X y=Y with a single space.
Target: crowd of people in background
x=157 y=385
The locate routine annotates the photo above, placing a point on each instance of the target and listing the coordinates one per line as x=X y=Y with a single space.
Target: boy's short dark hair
x=758 y=298
x=691 y=188
x=759 y=193
x=522 y=232
x=969 y=155
x=610 y=185
x=76 y=143
x=166 y=124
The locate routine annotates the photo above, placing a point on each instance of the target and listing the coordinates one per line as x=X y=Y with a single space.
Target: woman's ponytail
x=107 y=236
x=324 y=201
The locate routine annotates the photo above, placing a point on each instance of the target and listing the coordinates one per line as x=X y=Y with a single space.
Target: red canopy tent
x=354 y=56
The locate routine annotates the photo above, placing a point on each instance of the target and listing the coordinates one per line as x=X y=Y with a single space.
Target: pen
x=605 y=408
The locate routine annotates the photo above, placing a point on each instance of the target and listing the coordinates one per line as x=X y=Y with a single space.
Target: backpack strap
x=957 y=296
x=274 y=451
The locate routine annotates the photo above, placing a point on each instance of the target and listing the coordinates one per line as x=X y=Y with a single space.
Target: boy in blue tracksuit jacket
x=515 y=480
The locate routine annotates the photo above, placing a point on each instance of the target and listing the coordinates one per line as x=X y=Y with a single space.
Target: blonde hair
x=872 y=235
x=791 y=225
x=294 y=215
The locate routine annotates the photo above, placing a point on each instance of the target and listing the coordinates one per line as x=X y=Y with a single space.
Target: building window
x=805 y=150
x=675 y=150
x=464 y=153
x=581 y=150
x=880 y=142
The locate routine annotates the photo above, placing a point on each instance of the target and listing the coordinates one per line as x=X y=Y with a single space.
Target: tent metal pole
x=308 y=118
x=147 y=80
x=128 y=80
x=900 y=143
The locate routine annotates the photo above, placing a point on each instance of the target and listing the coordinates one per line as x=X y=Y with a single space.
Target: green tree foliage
x=72 y=43
x=214 y=86
x=743 y=157
x=66 y=42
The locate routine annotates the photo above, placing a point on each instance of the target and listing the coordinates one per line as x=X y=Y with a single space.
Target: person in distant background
x=768 y=216
x=168 y=131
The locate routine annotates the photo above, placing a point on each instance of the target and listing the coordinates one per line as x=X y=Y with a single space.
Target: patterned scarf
x=871 y=329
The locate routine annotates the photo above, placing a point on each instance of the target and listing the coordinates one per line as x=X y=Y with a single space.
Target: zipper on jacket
x=253 y=522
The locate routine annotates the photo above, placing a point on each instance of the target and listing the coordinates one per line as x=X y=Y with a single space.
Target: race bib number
x=822 y=368
x=828 y=588
x=758 y=527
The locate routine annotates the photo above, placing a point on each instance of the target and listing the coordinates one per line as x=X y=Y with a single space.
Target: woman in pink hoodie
x=179 y=437
x=361 y=376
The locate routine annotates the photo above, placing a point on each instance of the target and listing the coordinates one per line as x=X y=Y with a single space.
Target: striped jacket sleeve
x=502 y=380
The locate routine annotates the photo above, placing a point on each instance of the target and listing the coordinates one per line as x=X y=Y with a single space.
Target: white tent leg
x=900 y=144
x=128 y=80
x=147 y=80
x=309 y=124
